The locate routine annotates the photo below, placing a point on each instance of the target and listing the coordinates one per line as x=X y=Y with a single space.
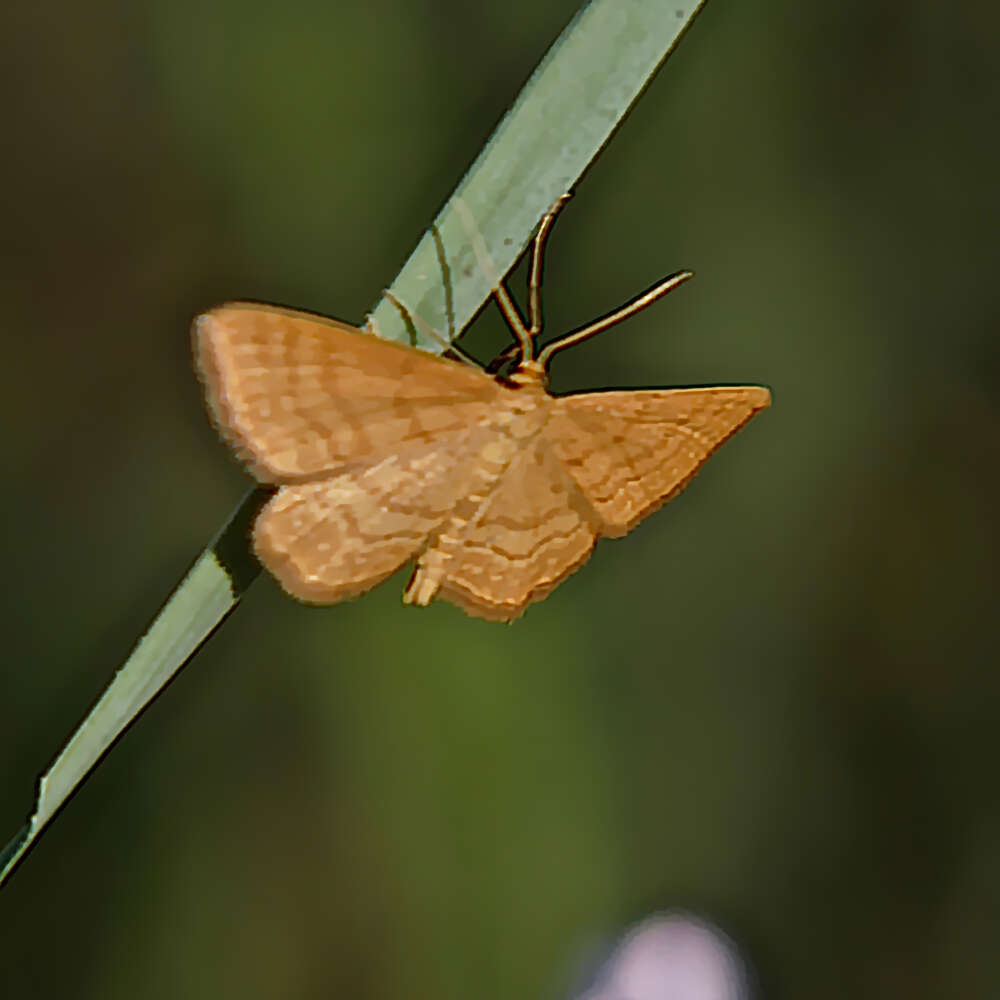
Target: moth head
x=529 y=374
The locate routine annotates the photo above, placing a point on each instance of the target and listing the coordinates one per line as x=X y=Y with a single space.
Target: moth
x=384 y=454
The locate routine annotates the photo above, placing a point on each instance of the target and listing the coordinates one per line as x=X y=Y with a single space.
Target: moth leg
x=424 y=584
x=434 y=562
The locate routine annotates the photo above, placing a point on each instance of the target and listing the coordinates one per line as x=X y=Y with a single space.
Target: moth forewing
x=300 y=396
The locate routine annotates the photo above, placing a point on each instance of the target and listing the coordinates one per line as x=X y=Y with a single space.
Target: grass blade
x=210 y=590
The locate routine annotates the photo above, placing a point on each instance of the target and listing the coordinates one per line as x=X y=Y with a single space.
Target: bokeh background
x=776 y=703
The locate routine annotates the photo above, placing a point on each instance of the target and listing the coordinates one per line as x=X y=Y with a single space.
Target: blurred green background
x=776 y=702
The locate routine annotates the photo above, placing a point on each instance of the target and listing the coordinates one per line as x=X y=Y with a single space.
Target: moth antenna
x=537 y=260
x=629 y=309
x=510 y=312
x=526 y=334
